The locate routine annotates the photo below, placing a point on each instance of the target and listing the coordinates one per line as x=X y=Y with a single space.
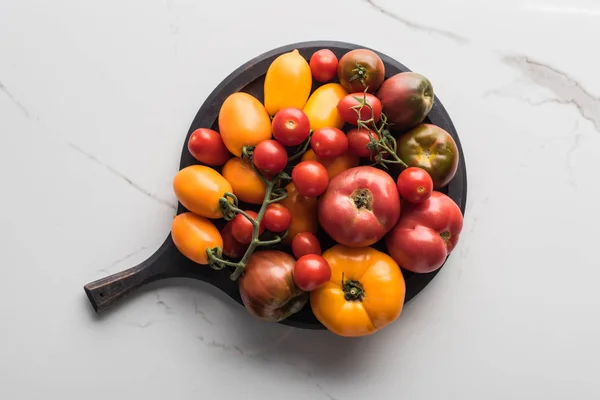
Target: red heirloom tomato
x=323 y=65
x=277 y=218
x=350 y=114
x=415 y=185
x=242 y=228
x=310 y=178
x=311 y=271
x=360 y=206
x=206 y=146
x=291 y=126
x=329 y=142
x=425 y=234
x=358 y=139
x=270 y=157
x=305 y=243
x=361 y=69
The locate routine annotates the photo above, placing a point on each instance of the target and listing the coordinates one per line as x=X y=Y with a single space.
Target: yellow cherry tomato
x=304 y=213
x=333 y=165
x=246 y=183
x=288 y=82
x=243 y=121
x=321 y=107
x=193 y=235
x=199 y=189
x=365 y=293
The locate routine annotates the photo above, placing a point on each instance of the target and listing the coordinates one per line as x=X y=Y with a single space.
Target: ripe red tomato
x=310 y=178
x=311 y=271
x=277 y=218
x=270 y=157
x=242 y=228
x=358 y=139
x=415 y=185
x=329 y=142
x=361 y=69
x=290 y=126
x=350 y=115
x=305 y=243
x=206 y=146
x=231 y=247
x=323 y=65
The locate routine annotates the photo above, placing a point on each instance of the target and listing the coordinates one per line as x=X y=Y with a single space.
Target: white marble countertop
x=95 y=101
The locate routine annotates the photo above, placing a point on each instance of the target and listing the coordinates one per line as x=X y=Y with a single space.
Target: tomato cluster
x=302 y=166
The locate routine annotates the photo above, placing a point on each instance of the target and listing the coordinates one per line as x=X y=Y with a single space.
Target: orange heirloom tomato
x=287 y=83
x=333 y=165
x=321 y=107
x=246 y=183
x=193 y=235
x=304 y=213
x=243 y=121
x=199 y=189
x=370 y=296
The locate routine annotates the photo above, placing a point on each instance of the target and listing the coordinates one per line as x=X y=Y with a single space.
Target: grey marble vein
x=120 y=260
x=419 y=27
x=123 y=177
x=330 y=397
x=15 y=101
x=201 y=313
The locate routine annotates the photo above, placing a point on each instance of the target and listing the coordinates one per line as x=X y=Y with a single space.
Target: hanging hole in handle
x=101 y=294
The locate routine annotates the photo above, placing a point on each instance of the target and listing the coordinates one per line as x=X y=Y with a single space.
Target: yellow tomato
x=304 y=213
x=288 y=82
x=321 y=107
x=193 y=235
x=333 y=165
x=243 y=121
x=365 y=293
x=247 y=185
x=199 y=189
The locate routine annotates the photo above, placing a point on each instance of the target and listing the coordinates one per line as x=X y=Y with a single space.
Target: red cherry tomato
x=310 y=178
x=305 y=243
x=311 y=271
x=358 y=139
x=323 y=65
x=242 y=228
x=350 y=115
x=329 y=142
x=415 y=185
x=277 y=218
x=270 y=157
x=206 y=146
x=290 y=126
x=231 y=247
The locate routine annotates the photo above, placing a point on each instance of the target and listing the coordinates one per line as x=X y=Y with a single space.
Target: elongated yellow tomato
x=321 y=107
x=364 y=294
x=199 y=189
x=246 y=183
x=243 y=121
x=287 y=83
x=193 y=235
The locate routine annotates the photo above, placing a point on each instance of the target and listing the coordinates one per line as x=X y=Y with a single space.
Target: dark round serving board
x=168 y=262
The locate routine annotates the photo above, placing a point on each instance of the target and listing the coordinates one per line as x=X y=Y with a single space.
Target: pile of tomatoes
x=352 y=161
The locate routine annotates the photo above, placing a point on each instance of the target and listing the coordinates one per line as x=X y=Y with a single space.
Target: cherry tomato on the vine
x=329 y=142
x=323 y=65
x=311 y=271
x=290 y=126
x=270 y=157
x=206 y=146
x=242 y=228
x=277 y=218
x=358 y=139
x=347 y=105
x=305 y=243
x=415 y=185
x=310 y=178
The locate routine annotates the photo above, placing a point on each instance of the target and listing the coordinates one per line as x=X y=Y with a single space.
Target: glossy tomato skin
x=193 y=235
x=206 y=146
x=267 y=286
x=334 y=166
x=426 y=233
x=329 y=142
x=287 y=83
x=361 y=69
x=270 y=157
x=242 y=229
x=323 y=65
x=245 y=182
x=310 y=178
x=303 y=210
x=311 y=271
x=414 y=185
x=351 y=115
x=190 y=181
x=360 y=206
x=365 y=293
x=358 y=139
x=290 y=126
x=231 y=247
x=321 y=107
x=305 y=243
x=431 y=148
x=277 y=218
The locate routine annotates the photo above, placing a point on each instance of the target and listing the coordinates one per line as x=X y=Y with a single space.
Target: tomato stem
x=302 y=150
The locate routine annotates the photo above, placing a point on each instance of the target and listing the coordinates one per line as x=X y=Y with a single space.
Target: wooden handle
x=105 y=292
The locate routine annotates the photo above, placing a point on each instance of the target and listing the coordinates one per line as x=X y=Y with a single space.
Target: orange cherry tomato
x=246 y=183
x=364 y=294
x=333 y=165
x=193 y=235
x=199 y=189
x=304 y=213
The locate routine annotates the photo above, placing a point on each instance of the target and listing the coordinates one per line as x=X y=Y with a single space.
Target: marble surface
x=95 y=100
